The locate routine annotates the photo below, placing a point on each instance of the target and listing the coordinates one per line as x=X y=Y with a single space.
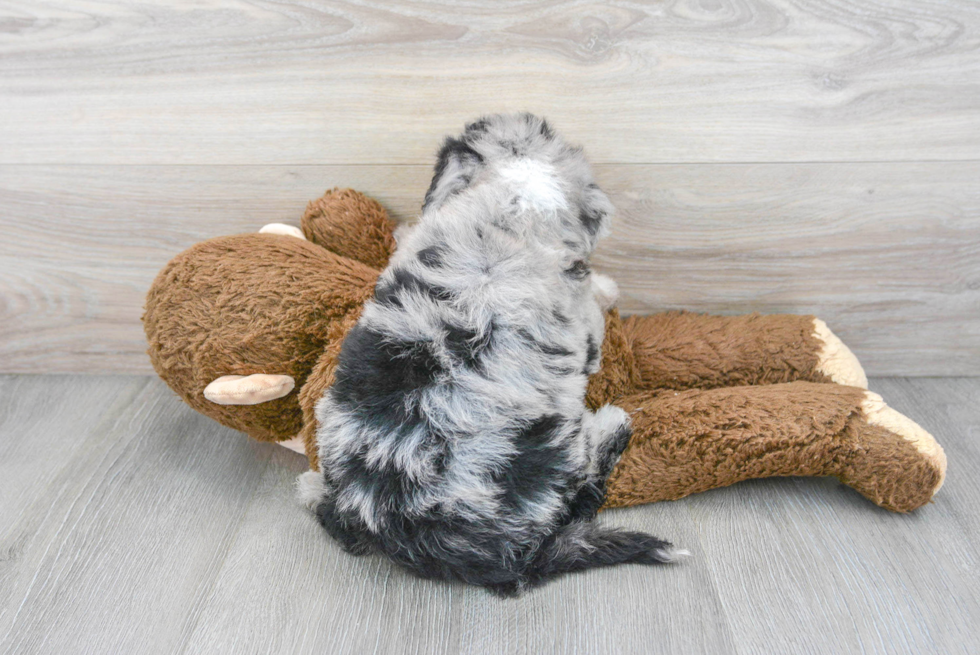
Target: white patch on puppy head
x=538 y=183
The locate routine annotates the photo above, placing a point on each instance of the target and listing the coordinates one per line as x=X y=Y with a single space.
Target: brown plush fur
x=697 y=440
x=681 y=350
x=261 y=303
x=351 y=224
x=252 y=303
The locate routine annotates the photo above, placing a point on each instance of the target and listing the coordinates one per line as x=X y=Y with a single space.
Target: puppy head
x=532 y=168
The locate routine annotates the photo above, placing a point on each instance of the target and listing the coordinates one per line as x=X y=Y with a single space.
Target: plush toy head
x=264 y=305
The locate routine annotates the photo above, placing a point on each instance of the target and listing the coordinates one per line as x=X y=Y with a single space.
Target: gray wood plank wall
x=817 y=157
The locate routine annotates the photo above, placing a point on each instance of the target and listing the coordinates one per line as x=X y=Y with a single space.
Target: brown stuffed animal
x=247 y=329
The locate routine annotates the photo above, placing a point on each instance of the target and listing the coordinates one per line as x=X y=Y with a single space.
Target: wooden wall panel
x=888 y=254
x=344 y=82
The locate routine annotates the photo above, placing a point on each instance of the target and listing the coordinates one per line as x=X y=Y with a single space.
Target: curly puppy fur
x=455 y=439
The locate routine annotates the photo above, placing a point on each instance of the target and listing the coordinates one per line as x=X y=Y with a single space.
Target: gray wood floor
x=130 y=524
x=765 y=155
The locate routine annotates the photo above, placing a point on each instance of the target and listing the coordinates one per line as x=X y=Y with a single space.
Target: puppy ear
x=595 y=212
x=456 y=165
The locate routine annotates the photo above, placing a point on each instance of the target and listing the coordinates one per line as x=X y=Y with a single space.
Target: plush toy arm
x=351 y=224
x=682 y=350
x=692 y=441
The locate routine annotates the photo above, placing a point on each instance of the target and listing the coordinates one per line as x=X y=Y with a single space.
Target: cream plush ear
x=248 y=389
x=284 y=230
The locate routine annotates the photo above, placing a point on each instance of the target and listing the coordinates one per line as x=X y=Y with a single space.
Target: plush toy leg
x=691 y=441
x=351 y=224
x=248 y=389
x=681 y=350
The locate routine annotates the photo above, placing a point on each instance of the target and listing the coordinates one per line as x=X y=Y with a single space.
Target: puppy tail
x=586 y=545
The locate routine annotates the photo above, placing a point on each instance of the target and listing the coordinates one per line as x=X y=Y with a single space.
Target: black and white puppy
x=455 y=439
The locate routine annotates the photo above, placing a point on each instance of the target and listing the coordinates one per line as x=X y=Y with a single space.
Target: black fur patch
x=467 y=157
x=477 y=127
x=546 y=130
x=541 y=429
x=591 y=219
x=546 y=348
x=591 y=352
x=389 y=292
x=374 y=375
x=389 y=487
x=537 y=465
x=465 y=345
x=352 y=539
x=561 y=370
x=616 y=446
x=587 y=501
x=579 y=270
x=431 y=257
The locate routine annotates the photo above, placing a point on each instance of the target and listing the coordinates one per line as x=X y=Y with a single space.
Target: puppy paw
x=311 y=488
x=613 y=432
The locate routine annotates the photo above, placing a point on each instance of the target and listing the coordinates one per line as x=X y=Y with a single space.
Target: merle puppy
x=455 y=439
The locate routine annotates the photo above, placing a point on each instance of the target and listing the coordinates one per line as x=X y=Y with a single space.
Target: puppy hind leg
x=349 y=537
x=609 y=434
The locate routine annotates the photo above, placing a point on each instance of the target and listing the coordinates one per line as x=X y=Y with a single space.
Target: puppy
x=455 y=439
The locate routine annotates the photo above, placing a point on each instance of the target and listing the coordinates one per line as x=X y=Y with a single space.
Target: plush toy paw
x=835 y=360
x=248 y=389
x=896 y=463
x=283 y=230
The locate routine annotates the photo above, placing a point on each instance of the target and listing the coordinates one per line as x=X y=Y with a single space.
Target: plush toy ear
x=248 y=389
x=351 y=224
x=283 y=229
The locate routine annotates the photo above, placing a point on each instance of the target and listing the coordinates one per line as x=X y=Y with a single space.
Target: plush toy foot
x=283 y=230
x=835 y=360
x=692 y=441
x=248 y=389
x=895 y=463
